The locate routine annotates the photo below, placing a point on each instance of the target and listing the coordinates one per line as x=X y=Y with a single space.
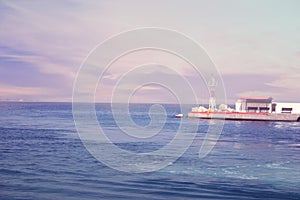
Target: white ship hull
x=246 y=116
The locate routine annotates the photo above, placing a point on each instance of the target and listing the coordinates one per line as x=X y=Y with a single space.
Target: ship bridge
x=265 y=104
x=254 y=104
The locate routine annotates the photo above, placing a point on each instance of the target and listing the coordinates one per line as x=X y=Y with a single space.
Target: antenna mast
x=212 y=84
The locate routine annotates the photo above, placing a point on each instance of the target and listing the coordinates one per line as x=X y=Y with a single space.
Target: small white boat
x=179 y=115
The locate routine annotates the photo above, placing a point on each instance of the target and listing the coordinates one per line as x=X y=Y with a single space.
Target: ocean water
x=42 y=157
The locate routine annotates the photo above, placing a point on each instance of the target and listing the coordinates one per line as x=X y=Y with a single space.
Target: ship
x=250 y=108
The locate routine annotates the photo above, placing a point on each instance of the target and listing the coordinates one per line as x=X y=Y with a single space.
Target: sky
x=254 y=44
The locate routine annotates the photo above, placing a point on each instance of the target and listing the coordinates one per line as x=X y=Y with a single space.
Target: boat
x=252 y=108
x=179 y=115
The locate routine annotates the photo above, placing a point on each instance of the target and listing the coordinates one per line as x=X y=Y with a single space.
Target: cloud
x=41 y=63
x=290 y=82
x=150 y=87
x=10 y=92
x=57 y=39
x=111 y=76
x=7 y=90
x=257 y=93
x=54 y=37
x=150 y=83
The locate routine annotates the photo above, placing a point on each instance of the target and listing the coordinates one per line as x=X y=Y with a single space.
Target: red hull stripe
x=231 y=113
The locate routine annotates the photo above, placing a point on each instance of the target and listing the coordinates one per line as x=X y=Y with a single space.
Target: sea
x=42 y=156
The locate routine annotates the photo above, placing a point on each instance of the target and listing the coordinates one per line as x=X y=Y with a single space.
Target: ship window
x=264 y=109
x=273 y=107
x=286 y=110
x=252 y=109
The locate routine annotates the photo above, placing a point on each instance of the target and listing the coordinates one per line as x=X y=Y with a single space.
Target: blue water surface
x=42 y=157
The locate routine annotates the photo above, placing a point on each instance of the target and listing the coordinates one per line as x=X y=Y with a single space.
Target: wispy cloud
x=13 y=90
x=10 y=92
x=287 y=82
x=257 y=93
x=43 y=64
x=54 y=37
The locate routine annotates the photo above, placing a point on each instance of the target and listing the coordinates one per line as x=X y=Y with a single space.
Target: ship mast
x=212 y=84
